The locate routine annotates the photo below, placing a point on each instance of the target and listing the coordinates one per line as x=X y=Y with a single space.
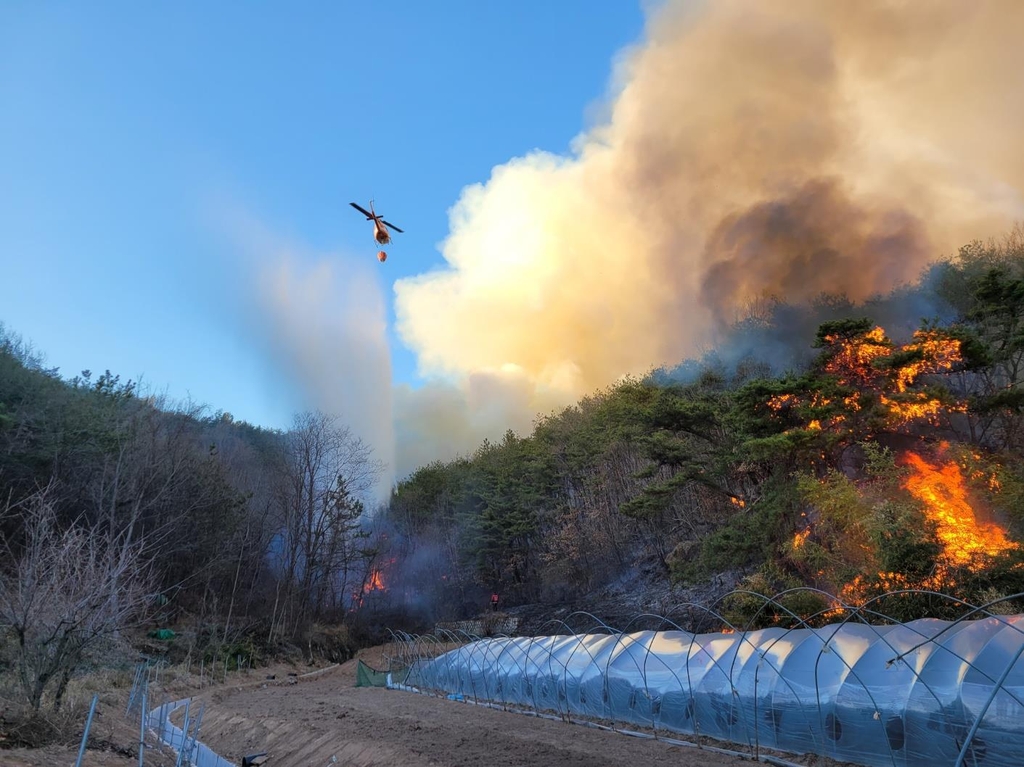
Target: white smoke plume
x=323 y=319
x=749 y=148
x=329 y=326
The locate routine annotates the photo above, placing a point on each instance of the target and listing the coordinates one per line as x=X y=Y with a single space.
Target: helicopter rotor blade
x=388 y=223
x=369 y=217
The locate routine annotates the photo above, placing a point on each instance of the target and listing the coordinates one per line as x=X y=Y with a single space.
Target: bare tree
x=322 y=493
x=64 y=592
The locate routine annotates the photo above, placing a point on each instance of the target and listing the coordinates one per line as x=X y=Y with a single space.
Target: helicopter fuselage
x=380 y=226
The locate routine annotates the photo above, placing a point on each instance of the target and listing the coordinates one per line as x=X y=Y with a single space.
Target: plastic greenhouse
x=928 y=692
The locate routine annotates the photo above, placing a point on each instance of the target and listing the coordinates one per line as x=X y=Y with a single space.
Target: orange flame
x=852 y=363
x=942 y=490
x=375 y=582
x=940 y=355
x=885 y=389
x=941 y=486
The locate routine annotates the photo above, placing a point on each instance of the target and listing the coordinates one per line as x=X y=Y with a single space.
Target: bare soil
x=325 y=719
x=317 y=716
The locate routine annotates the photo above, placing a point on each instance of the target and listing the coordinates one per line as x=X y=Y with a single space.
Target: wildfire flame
x=375 y=582
x=852 y=361
x=943 y=491
x=939 y=355
x=883 y=380
x=941 y=487
x=857 y=362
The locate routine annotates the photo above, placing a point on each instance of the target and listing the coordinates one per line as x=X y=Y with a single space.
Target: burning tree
x=907 y=517
x=323 y=546
x=916 y=521
x=862 y=386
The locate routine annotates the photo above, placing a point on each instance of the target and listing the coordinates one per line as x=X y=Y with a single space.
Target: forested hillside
x=122 y=513
x=857 y=449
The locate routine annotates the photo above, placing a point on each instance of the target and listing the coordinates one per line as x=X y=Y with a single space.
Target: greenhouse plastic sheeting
x=197 y=753
x=839 y=691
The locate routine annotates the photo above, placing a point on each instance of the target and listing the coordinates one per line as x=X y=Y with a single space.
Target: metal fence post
x=142 y=730
x=135 y=687
x=85 y=735
x=194 y=746
x=184 y=735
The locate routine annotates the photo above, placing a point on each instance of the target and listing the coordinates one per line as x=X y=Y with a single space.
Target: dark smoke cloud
x=814 y=241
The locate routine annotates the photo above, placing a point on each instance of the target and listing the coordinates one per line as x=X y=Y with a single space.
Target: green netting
x=164 y=634
x=367 y=676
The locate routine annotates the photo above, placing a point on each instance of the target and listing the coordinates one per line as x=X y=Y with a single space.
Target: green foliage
x=834 y=332
x=863 y=530
x=686 y=441
x=904 y=541
x=998 y=478
x=515 y=479
x=839 y=548
x=751 y=536
x=773 y=597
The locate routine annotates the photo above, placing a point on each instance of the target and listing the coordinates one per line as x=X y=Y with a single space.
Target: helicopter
x=380 y=226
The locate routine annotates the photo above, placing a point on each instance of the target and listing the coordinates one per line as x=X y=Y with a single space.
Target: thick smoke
x=749 y=148
x=806 y=244
x=322 y=317
x=441 y=419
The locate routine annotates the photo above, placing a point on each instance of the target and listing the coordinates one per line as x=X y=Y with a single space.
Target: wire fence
x=851 y=683
x=184 y=740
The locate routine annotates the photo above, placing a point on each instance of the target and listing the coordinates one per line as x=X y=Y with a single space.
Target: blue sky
x=124 y=123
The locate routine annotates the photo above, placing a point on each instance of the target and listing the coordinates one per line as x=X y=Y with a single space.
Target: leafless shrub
x=65 y=594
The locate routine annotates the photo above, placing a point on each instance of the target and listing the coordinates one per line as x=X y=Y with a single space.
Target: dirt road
x=326 y=720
